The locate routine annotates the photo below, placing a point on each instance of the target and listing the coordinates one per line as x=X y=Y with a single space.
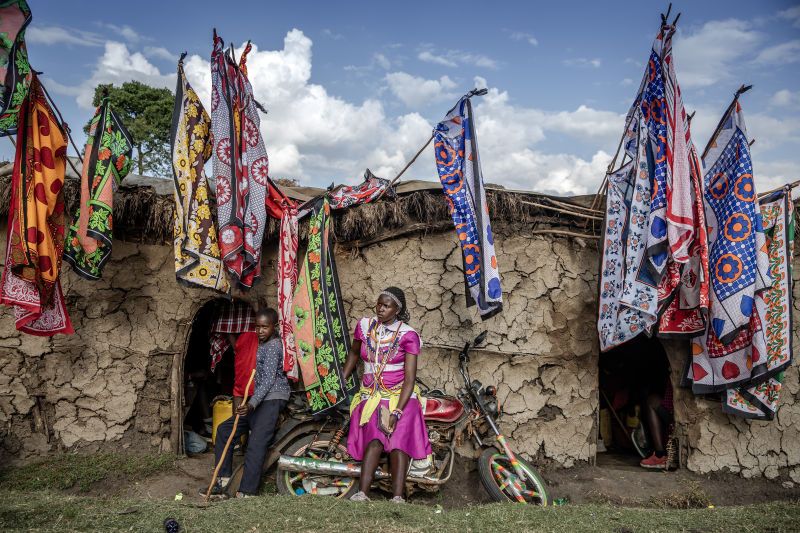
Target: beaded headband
x=393 y=297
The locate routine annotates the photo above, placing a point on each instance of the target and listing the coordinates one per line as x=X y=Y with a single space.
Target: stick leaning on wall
x=230 y=438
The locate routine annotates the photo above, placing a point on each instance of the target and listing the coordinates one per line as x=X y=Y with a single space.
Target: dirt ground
x=617 y=479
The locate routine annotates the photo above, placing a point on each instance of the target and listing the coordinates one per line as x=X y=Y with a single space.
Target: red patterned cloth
x=287 y=281
x=229 y=317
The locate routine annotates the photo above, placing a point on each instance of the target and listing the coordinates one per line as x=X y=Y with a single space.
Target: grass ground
x=50 y=511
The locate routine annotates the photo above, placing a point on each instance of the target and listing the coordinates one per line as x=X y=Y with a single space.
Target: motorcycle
x=318 y=463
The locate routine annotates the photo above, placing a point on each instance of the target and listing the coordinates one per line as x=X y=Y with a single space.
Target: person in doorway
x=659 y=411
x=195 y=392
x=270 y=392
x=389 y=348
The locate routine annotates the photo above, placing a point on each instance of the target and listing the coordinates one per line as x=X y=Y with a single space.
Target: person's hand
x=243 y=409
x=392 y=423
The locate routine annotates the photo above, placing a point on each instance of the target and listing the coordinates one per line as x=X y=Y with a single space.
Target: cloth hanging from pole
x=287 y=282
x=761 y=400
x=15 y=70
x=363 y=193
x=197 y=255
x=244 y=192
x=233 y=316
x=321 y=333
x=459 y=167
x=106 y=162
x=35 y=233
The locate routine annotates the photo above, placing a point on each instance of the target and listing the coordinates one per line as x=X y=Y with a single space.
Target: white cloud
x=430 y=58
x=785 y=98
x=128 y=33
x=707 y=54
x=159 y=51
x=583 y=62
x=334 y=36
x=453 y=57
x=382 y=61
x=626 y=81
x=788 y=52
x=418 y=92
x=56 y=35
x=519 y=36
x=634 y=62
x=773 y=174
x=792 y=14
x=117 y=65
x=480 y=83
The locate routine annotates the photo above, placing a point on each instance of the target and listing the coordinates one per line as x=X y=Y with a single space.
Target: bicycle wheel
x=299 y=483
x=502 y=483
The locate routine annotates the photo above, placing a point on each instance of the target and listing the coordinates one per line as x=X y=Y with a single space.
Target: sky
x=358 y=85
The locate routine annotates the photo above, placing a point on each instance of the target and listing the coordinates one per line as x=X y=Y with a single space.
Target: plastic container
x=223 y=410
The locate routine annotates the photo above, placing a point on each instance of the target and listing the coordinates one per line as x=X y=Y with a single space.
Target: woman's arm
x=409 y=380
x=352 y=358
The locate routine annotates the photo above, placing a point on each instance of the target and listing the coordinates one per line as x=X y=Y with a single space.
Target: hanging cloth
x=197 y=256
x=35 y=234
x=106 y=162
x=287 y=282
x=761 y=400
x=363 y=193
x=244 y=192
x=15 y=70
x=321 y=333
x=459 y=166
x=234 y=316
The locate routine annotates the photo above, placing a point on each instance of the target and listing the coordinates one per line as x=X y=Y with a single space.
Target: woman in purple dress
x=389 y=348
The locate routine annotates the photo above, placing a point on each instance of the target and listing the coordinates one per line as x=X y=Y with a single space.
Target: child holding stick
x=260 y=414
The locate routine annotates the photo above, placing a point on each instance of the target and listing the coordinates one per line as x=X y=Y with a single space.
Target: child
x=269 y=394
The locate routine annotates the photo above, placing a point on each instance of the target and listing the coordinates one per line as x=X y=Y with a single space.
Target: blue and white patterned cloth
x=458 y=163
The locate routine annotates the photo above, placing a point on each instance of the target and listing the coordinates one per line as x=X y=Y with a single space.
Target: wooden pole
x=561 y=210
x=611 y=408
x=722 y=122
x=230 y=438
x=406 y=168
x=790 y=186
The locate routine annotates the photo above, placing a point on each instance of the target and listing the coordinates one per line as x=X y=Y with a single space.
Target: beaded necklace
x=375 y=351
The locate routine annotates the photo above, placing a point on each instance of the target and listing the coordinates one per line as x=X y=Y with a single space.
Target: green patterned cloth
x=15 y=71
x=320 y=332
x=107 y=160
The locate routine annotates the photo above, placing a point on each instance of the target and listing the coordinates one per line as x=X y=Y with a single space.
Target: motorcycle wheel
x=289 y=483
x=488 y=462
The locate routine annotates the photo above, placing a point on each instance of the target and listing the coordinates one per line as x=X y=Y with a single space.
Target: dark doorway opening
x=634 y=394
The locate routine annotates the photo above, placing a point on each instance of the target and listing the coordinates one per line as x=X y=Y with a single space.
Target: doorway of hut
x=201 y=383
x=635 y=405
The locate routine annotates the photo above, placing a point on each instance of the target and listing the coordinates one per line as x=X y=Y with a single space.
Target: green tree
x=147 y=113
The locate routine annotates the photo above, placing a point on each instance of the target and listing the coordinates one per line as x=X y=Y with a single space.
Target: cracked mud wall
x=714 y=441
x=108 y=384
x=541 y=351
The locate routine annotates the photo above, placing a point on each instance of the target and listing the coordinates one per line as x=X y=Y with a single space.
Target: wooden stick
x=406 y=168
x=790 y=186
x=66 y=127
x=230 y=438
x=722 y=122
x=12 y=140
x=571 y=234
x=561 y=210
x=751 y=142
x=575 y=206
x=611 y=408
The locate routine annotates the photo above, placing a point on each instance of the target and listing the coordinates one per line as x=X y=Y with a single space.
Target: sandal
x=397 y=499
x=216 y=490
x=359 y=497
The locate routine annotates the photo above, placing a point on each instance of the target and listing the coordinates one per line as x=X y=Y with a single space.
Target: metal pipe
x=431 y=481
x=327 y=468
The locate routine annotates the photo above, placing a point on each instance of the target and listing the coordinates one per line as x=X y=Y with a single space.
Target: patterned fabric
x=363 y=193
x=651 y=102
x=737 y=256
x=320 y=328
x=287 y=282
x=270 y=380
x=229 y=317
x=683 y=291
x=197 y=256
x=680 y=214
x=106 y=162
x=459 y=167
x=244 y=192
x=15 y=71
x=35 y=233
x=760 y=401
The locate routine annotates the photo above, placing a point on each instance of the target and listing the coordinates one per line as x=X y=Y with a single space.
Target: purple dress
x=410 y=434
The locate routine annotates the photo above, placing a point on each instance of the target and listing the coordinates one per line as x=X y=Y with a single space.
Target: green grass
x=66 y=470
x=50 y=511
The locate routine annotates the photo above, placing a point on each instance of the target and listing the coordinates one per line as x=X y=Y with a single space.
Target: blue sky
x=360 y=85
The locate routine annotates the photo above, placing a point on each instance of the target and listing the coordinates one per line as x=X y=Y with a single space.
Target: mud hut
x=115 y=383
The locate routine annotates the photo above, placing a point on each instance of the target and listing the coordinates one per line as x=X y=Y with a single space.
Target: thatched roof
x=144 y=210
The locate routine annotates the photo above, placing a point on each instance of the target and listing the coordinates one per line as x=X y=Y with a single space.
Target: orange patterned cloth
x=36 y=220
